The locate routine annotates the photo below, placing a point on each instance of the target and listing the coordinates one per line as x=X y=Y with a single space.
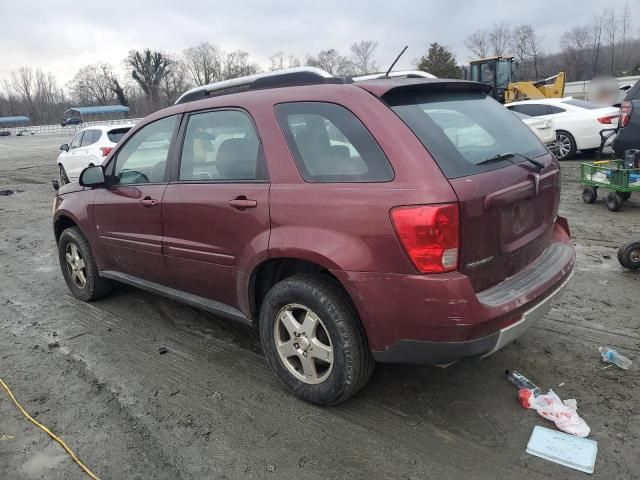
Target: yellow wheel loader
x=499 y=72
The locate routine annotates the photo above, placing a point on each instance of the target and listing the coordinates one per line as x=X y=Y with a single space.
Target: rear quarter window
x=116 y=134
x=460 y=129
x=330 y=144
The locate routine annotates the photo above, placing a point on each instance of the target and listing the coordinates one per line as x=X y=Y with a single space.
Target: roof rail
x=279 y=78
x=397 y=74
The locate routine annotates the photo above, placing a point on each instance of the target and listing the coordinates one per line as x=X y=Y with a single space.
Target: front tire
x=64 y=179
x=614 y=201
x=313 y=339
x=79 y=267
x=566 y=145
x=629 y=255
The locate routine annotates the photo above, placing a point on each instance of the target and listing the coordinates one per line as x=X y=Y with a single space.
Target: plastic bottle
x=609 y=355
x=521 y=381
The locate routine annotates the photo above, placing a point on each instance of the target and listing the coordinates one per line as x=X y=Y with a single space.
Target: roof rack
x=397 y=74
x=280 y=78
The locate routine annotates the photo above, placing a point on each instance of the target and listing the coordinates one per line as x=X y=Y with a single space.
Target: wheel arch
x=272 y=270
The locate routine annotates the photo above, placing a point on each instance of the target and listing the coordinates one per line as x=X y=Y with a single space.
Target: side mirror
x=92 y=176
x=65 y=147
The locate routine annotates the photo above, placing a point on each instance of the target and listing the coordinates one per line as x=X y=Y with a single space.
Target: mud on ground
x=210 y=407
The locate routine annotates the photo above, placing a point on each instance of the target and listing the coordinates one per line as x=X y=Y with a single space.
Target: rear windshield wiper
x=509 y=157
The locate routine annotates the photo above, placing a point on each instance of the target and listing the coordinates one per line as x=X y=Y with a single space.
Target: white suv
x=90 y=146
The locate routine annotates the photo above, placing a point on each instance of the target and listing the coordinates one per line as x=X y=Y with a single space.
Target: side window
x=330 y=144
x=90 y=137
x=75 y=143
x=221 y=146
x=554 y=109
x=143 y=159
x=534 y=109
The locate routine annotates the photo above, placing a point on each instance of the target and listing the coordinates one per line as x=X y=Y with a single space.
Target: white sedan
x=90 y=146
x=542 y=127
x=577 y=122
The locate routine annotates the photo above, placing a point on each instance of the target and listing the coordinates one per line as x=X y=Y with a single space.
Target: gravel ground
x=210 y=407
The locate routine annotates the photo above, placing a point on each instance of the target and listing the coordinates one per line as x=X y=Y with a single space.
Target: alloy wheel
x=303 y=344
x=76 y=265
x=563 y=145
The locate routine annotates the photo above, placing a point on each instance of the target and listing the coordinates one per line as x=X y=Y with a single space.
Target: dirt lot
x=210 y=407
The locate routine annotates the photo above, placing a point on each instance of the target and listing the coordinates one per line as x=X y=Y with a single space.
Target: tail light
x=608 y=120
x=430 y=234
x=625 y=113
x=105 y=150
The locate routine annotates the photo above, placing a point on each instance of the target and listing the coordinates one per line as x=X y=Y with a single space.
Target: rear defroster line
x=49 y=432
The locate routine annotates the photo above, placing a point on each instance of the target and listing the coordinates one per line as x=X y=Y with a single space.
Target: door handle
x=243 y=202
x=148 y=202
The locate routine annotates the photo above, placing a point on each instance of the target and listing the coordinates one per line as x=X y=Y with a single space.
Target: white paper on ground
x=559 y=447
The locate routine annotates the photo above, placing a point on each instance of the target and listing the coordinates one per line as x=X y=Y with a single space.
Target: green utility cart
x=612 y=175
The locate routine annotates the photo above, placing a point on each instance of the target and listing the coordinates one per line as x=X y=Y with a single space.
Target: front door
x=128 y=213
x=216 y=215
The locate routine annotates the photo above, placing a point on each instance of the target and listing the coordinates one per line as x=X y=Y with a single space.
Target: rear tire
x=614 y=201
x=79 y=267
x=629 y=255
x=325 y=318
x=590 y=194
x=566 y=145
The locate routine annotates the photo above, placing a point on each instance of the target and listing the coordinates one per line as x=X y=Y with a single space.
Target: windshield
x=503 y=73
x=461 y=129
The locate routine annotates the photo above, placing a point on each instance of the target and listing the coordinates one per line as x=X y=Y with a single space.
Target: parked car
x=542 y=127
x=71 y=121
x=90 y=146
x=628 y=136
x=577 y=122
x=397 y=220
x=5 y=133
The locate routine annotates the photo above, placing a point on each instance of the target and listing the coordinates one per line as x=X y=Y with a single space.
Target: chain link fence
x=69 y=130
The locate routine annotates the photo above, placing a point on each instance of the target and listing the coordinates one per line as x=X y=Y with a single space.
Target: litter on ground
x=577 y=453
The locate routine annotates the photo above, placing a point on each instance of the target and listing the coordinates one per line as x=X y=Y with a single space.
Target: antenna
x=396 y=61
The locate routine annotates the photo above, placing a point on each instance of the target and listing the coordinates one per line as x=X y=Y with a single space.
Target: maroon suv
x=394 y=219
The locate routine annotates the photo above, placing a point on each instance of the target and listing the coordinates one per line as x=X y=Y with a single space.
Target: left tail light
x=430 y=234
x=608 y=120
x=105 y=150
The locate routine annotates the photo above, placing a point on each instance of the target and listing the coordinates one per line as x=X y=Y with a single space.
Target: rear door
x=507 y=210
x=216 y=212
x=128 y=213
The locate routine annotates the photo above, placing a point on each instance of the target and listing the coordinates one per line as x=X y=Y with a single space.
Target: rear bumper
x=440 y=319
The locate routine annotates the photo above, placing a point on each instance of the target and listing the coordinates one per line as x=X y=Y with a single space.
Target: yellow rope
x=49 y=432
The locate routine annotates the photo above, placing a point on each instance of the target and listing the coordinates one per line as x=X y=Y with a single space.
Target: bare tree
x=625 y=23
x=611 y=29
x=204 y=63
x=499 y=38
x=236 y=64
x=478 y=43
x=574 y=45
x=148 y=68
x=332 y=62
x=176 y=82
x=22 y=85
x=93 y=84
x=597 y=25
x=280 y=62
x=362 y=57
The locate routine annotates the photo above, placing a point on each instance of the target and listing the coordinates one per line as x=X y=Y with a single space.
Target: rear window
x=582 y=104
x=330 y=144
x=116 y=134
x=461 y=129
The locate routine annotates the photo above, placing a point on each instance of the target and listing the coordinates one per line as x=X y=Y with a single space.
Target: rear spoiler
x=386 y=86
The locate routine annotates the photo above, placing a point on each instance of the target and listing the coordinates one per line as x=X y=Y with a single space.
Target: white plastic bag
x=563 y=414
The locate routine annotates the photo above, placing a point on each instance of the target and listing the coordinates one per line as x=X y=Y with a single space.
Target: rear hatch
x=508 y=204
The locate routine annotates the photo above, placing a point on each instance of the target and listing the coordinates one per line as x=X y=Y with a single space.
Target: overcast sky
x=62 y=36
